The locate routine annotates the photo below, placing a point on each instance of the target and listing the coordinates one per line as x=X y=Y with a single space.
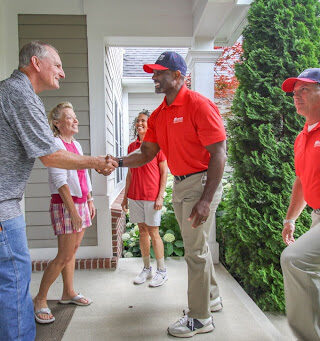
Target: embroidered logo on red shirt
x=316 y=144
x=178 y=120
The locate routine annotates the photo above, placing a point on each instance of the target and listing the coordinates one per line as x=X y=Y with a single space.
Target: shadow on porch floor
x=123 y=311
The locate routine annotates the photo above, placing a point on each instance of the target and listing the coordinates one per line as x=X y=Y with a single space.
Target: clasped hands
x=107 y=165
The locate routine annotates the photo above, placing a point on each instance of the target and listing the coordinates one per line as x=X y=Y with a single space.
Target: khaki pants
x=202 y=285
x=300 y=264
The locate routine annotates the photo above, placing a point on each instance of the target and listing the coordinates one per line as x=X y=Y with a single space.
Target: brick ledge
x=118 y=222
x=81 y=264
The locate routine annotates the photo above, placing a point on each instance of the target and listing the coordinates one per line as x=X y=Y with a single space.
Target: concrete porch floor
x=123 y=311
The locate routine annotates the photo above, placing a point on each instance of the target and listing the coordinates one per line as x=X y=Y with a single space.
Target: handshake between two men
x=108 y=164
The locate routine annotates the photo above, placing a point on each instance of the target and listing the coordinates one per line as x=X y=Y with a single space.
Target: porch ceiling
x=144 y=22
x=167 y=22
x=219 y=20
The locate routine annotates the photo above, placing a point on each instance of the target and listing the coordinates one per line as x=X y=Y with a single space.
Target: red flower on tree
x=225 y=81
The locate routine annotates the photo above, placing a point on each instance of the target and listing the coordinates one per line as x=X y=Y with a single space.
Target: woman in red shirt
x=145 y=188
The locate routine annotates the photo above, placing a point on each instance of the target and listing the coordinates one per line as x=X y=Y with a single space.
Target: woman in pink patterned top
x=71 y=210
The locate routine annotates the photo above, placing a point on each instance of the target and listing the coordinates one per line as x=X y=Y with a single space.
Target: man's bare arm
x=66 y=160
x=140 y=157
x=297 y=204
x=218 y=159
x=201 y=210
x=163 y=168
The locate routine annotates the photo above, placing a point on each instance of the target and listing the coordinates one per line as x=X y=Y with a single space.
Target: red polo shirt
x=307 y=164
x=184 y=128
x=145 y=180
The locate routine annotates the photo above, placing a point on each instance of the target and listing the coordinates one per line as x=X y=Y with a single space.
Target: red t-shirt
x=307 y=165
x=56 y=199
x=145 y=180
x=184 y=128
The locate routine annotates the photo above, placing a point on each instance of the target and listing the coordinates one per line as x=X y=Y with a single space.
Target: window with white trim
x=118 y=138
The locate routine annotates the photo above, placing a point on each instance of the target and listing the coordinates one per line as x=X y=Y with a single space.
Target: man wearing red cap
x=189 y=130
x=300 y=261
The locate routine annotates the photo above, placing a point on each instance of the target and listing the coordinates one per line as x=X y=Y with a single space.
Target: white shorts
x=142 y=211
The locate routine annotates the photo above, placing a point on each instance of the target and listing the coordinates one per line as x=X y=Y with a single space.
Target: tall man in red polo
x=189 y=130
x=300 y=261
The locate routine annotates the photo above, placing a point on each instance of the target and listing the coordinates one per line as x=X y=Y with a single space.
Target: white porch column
x=201 y=63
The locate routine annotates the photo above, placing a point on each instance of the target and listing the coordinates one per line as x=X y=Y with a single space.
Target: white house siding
x=113 y=97
x=139 y=101
x=68 y=33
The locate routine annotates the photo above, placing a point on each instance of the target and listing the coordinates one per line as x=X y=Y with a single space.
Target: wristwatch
x=120 y=162
x=292 y=221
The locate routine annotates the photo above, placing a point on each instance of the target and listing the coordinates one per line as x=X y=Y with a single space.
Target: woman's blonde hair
x=55 y=115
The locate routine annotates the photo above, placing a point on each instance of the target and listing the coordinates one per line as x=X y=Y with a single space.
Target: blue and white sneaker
x=159 y=278
x=188 y=326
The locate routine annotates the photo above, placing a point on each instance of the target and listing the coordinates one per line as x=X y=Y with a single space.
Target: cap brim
x=288 y=84
x=150 y=67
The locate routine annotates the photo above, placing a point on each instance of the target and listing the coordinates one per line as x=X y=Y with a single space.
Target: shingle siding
x=67 y=33
x=135 y=57
x=139 y=101
x=113 y=93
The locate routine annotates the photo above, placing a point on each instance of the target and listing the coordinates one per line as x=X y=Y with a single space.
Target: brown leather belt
x=182 y=177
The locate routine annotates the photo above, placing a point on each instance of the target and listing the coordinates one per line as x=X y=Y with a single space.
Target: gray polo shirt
x=24 y=135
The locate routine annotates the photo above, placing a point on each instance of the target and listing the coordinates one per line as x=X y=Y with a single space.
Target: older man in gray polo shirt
x=25 y=136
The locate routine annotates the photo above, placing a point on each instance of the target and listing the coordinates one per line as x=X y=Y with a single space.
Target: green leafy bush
x=280 y=40
x=169 y=231
x=130 y=241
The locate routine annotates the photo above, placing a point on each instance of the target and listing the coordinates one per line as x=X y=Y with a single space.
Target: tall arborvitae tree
x=282 y=39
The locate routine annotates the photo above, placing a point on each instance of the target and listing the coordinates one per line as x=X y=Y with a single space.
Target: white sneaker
x=159 y=278
x=188 y=326
x=143 y=276
x=216 y=305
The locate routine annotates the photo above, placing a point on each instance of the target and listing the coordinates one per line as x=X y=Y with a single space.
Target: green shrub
x=130 y=240
x=169 y=231
x=280 y=40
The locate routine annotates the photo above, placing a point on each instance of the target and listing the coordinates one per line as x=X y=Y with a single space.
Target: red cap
x=168 y=60
x=288 y=84
x=308 y=76
x=150 y=67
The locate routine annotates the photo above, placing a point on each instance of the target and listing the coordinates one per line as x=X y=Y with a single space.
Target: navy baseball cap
x=308 y=76
x=168 y=60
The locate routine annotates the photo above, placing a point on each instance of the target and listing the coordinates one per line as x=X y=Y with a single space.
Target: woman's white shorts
x=142 y=211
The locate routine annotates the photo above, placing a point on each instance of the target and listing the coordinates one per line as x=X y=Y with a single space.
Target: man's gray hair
x=34 y=48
